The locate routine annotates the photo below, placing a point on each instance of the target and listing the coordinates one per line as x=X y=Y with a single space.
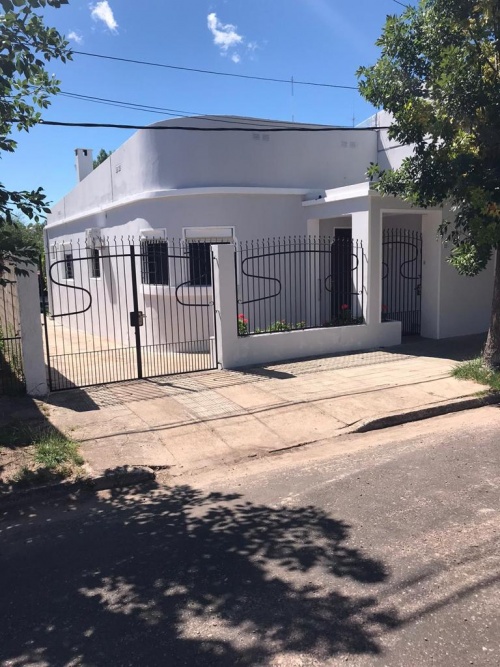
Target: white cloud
x=102 y=11
x=225 y=35
x=236 y=58
x=75 y=37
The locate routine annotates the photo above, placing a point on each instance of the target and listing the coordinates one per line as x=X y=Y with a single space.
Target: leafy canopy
x=439 y=76
x=101 y=157
x=26 y=46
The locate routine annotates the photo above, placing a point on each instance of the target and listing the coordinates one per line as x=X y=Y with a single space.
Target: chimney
x=84 y=163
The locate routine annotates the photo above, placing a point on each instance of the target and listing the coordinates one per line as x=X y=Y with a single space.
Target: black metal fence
x=125 y=309
x=294 y=283
x=402 y=278
x=11 y=359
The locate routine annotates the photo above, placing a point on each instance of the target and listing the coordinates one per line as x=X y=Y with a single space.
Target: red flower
x=241 y=316
x=344 y=306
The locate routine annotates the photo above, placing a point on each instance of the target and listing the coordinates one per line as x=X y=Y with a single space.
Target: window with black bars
x=95 y=263
x=154 y=264
x=200 y=261
x=69 y=272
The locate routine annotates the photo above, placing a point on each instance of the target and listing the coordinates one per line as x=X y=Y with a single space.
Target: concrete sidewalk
x=190 y=422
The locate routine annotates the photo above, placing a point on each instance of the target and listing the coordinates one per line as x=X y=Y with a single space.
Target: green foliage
x=282 y=325
x=51 y=456
x=439 y=77
x=476 y=370
x=101 y=157
x=242 y=325
x=22 y=244
x=54 y=450
x=26 y=46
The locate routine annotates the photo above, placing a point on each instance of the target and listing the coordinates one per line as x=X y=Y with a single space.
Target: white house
x=182 y=186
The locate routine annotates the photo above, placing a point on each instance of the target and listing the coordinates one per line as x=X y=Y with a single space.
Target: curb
x=399 y=418
x=109 y=479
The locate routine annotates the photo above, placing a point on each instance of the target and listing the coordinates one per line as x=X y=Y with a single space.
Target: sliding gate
x=124 y=311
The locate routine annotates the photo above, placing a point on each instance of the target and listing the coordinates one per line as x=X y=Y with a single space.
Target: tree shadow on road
x=189 y=578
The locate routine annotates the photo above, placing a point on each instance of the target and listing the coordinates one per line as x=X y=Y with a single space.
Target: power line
x=163 y=111
x=215 y=72
x=121 y=126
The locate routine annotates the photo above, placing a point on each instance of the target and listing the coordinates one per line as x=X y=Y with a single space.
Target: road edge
x=408 y=416
x=110 y=479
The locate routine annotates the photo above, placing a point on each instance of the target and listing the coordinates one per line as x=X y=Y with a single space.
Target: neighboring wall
x=11 y=365
x=390 y=153
x=465 y=303
x=9 y=310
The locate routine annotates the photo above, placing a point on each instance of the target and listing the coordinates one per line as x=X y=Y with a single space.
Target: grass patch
x=39 y=454
x=476 y=370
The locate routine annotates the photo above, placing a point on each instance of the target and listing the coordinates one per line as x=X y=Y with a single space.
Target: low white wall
x=237 y=351
x=268 y=348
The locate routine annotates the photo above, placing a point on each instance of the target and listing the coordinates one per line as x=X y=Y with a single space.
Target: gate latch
x=136 y=318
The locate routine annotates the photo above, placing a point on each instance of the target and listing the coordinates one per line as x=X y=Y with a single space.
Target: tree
x=26 y=46
x=439 y=76
x=101 y=156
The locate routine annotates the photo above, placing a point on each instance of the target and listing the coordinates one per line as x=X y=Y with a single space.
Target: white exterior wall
x=390 y=153
x=175 y=159
x=250 y=216
x=465 y=303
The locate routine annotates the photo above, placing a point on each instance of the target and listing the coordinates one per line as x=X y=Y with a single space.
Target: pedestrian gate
x=402 y=279
x=124 y=310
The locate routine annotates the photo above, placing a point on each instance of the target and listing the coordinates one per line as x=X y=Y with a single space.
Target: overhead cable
x=215 y=72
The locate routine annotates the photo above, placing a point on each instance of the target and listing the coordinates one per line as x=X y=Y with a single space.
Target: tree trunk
x=491 y=354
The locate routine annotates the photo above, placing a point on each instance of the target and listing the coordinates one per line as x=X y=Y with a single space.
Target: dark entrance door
x=402 y=278
x=341 y=272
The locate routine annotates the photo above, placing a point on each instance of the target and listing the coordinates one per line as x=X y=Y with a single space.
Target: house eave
x=344 y=193
x=185 y=192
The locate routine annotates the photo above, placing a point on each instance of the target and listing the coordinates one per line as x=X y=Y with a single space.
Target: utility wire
x=120 y=126
x=163 y=111
x=215 y=72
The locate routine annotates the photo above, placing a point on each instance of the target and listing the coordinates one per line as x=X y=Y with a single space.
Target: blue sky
x=313 y=40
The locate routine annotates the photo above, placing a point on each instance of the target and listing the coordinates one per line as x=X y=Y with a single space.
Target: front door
x=341 y=272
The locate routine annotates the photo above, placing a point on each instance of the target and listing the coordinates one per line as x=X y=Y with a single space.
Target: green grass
x=55 y=450
x=51 y=456
x=477 y=371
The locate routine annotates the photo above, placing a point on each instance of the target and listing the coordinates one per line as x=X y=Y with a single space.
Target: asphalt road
x=380 y=549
